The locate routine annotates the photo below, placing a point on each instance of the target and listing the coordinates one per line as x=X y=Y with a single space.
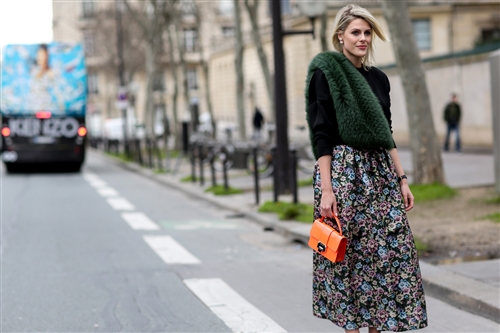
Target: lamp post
x=122 y=99
x=282 y=161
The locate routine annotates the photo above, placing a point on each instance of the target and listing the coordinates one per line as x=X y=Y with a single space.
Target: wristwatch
x=400 y=178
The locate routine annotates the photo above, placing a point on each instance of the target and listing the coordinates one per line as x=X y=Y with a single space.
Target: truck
x=43 y=105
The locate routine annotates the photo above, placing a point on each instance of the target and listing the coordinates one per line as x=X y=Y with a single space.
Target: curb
x=460 y=291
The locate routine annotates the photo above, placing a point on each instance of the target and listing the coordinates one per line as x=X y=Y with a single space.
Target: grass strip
x=495 y=217
x=289 y=211
x=305 y=182
x=188 y=179
x=221 y=190
x=494 y=201
x=429 y=192
x=421 y=246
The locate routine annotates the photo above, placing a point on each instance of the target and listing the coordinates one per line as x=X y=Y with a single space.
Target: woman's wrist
x=327 y=190
x=402 y=178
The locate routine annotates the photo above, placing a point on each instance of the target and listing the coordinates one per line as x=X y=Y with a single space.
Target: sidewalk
x=473 y=286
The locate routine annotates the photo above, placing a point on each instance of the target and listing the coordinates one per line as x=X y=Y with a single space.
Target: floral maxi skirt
x=379 y=282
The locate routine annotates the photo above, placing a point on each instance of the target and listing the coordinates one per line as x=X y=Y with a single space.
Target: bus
x=42 y=105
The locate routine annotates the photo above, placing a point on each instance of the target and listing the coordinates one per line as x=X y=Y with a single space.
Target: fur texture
x=360 y=117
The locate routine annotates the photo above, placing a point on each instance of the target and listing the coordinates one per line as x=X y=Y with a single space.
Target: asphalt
x=472 y=286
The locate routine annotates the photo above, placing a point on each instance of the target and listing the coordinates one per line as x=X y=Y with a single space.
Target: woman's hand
x=407 y=195
x=328 y=204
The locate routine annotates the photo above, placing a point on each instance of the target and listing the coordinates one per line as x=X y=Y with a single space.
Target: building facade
x=443 y=31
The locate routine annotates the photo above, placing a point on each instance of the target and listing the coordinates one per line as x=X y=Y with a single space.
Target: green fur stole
x=360 y=117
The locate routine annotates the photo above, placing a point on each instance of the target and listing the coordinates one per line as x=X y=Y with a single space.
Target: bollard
x=139 y=151
x=256 y=175
x=224 y=172
x=275 y=174
x=293 y=175
x=193 y=164
x=150 y=155
x=212 y=168
x=200 y=156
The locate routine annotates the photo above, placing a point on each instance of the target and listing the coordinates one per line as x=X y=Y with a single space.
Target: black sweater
x=322 y=118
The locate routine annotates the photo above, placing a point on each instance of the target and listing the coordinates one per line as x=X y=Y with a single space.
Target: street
x=107 y=250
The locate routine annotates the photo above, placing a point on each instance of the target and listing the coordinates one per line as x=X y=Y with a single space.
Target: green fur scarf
x=360 y=117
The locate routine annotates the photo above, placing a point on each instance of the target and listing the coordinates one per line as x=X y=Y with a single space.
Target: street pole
x=282 y=165
x=495 y=110
x=121 y=73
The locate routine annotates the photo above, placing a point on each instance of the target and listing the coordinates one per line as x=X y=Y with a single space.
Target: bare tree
x=252 y=7
x=238 y=63
x=183 y=65
x=198 y=13
x=147 y=15
x=104 y=31
x=322 y=31
x=427 y=164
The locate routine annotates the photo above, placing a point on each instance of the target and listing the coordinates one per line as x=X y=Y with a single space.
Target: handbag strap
x=337 y=220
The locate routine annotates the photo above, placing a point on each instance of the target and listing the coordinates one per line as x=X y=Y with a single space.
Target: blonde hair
x=348 y=14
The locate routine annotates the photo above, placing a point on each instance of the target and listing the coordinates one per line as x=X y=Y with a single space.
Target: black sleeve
x=321 y=114
x=388 y=114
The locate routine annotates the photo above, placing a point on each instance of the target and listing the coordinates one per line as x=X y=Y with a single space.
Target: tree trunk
x=185 y=86
x=175 y=95
x=322 y=32
x=425 y=148
x=204 y=66
x=150 y=74
x=238 y=63
x=252 y=11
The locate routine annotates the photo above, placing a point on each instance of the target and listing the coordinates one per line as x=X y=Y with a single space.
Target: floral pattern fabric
x=379 y=282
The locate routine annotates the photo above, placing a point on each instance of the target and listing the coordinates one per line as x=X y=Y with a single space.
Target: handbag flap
x=335 y=240
x=326 y=235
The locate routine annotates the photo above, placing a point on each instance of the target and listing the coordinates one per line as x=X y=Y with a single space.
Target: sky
x=25 y=21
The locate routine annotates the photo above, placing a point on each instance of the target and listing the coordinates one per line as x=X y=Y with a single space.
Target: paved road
x=108 y=251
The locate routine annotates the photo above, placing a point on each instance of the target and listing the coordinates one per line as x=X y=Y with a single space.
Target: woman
x=359 y=178
x=43 y=83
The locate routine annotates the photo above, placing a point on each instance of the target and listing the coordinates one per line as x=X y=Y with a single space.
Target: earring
x=341 y=41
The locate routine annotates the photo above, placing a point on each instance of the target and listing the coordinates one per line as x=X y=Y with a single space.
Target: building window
x=285 y=7
x=192 y=77
x=490 y=36
x=159 y=82
x=187 y=7
x=422 y=33
x=88 y=9
x=190 y=39
x=226 y=8
x=92 y=83
x=89 y=43
x=228 y=31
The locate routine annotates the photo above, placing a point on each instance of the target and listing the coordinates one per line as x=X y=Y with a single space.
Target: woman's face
x=357 y=37
x=42 y=58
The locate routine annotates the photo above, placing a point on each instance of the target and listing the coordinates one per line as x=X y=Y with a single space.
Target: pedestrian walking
x=358 y=177
x=258 y=122
x=452 y=114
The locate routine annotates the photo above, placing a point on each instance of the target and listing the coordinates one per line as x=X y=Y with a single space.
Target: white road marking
x=120 y=204
x=90 y=176
x=108 y=192
x=199 y=224
x=170 y=251
x=236 y=312
x=139 y=221
x=97 y=183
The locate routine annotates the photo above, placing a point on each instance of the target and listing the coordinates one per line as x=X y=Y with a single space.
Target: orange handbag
x=327 y=241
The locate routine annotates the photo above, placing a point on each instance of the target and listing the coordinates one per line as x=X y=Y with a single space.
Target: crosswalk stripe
x=139 y=221
x=236 y=312
x=120 y=204
x=170 y=251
